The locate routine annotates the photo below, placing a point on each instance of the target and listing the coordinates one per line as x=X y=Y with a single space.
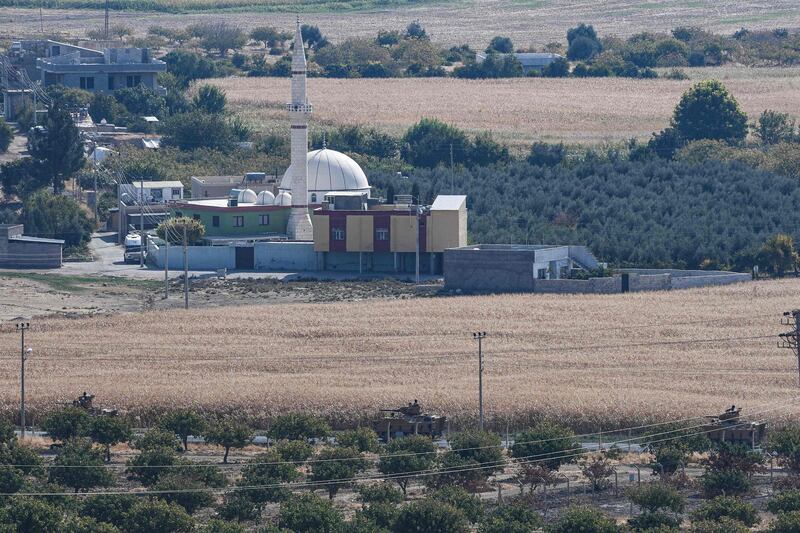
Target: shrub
x=79 y=524
x=785 y=502
x=516 y=517
x=210 y=99
x=430 y=516
x=174 y=483
x=786 y=523
x=428 y=144
x=547 y=155
x=220 y=526
x=383 y=515
x=238 y=506
x=157 y=438
x=585 y=519
x=268 y=469
x=195 y=129
x=785 y=442
x=299 y=426
x=157 y=516
x=108 y=431
x=727 y=507
x=308 y=513
x=654 y=521
x=597 y=470
x=31 y=515
x=656 y=496
x=725 y=482
x=723 y=525
x=6 y=136
x=362 y=439
x=143 y=467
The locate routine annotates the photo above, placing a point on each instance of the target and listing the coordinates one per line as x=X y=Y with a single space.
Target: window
x=381 y=234
x=56 y=51
x=176 y=193
x=156 y=194
x=313 y=197
x=178 y=214
x=263 y=220
x=111 y=83
x=196 y=217
x=87 y=82
x=541 y=273
x=238 y=222
x=338 y=234
x=133 y=81
x=215 y=221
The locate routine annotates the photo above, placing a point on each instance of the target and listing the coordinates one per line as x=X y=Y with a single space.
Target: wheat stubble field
x=517 y=111
x=589 y=360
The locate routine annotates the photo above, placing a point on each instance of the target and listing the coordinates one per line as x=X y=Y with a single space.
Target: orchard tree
x=405 y=456
x=228 y=434
x=337 y=464
x=299 y=426
x=588 y=519
x=65 y=424
x=108 y=431
x=547 y=439
x=158 y=516
x=80 y=466
x=709 y=111
x=778 y=254
x=271 y=471
x=363 y=439
x=774 y=127
x=31 y=515
x=310 y=513
x=184 y=422
x=431 y=516
x=185 y=490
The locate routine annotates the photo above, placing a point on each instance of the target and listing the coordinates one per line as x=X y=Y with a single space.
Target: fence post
x=616 y=483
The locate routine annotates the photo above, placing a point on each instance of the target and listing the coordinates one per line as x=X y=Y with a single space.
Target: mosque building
x=323 y=207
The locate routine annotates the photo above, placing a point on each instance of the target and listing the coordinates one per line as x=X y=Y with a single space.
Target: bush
x=516 y=517
x=786 y=523
x=785 y=502
x=584 y=519
x=111 y=508
x=547 y=155
x=79 y=453
x=55 y=216
x=31 y=515
x=76 y=524
x=308 y=513
x=362 y=439
x=597 y=470
x=6 y=136
x=723 y=525
x=268 y=469
x=158 y=516
x=157 y=438
x=238 y=506
x=725 y=482
x=195 y=129
x=337 y=464
x=173 y=483
x=143 y=467
x=785 y=443
x=654 y=521
x=428 y=144
x=228 y=434
x=108 y=431
x=220 y=526
x=657 y=496
x=430 y=516
x=728 y=507
x=299 y=426
x=210 y=99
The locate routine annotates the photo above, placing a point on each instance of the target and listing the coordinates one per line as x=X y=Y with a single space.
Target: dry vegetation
x=516 y=110
x=546 y=355
x=525 y=21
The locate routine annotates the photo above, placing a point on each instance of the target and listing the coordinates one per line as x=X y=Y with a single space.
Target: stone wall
x=25 y=254
x=655 y=282
x=488 y=269
x=688 y=282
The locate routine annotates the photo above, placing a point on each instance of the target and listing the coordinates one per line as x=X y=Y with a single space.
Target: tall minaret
x=299 y=225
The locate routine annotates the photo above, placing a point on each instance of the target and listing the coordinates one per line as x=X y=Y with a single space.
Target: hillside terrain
x=591 y=361
x=449 y=22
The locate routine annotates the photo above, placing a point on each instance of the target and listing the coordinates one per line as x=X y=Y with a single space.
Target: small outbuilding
x=20 y=251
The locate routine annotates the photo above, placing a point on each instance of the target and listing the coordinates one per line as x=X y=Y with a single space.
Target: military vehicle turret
x=408 y=420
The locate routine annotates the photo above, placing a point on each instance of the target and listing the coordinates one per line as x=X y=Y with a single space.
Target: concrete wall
x=489 y=270
x=291 y=256
x=200 y=257
x=688 y=282
x=655 y=282
x=22 y=254
x=578 y=286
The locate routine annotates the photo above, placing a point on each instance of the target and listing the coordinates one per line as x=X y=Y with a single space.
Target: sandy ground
x=456 y=22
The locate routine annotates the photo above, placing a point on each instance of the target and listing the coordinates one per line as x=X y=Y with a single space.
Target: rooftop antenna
x=106 y=20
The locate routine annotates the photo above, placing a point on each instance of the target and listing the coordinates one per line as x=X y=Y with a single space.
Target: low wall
x=291 y=256
x=689 y=282
x=654 y=282
x=199 y=257
x=578 y=286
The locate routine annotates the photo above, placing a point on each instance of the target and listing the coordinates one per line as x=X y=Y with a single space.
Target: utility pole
x=166 y=263
x=95 y=183
x=452 y=173
x=106 y=21
x=185 y=270
x=791 y=339
x=418 y=230
x=22 y=327
x=141 y=223
x=479 y=336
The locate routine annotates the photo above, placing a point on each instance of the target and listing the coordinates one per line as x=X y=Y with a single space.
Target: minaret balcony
x=305 y=109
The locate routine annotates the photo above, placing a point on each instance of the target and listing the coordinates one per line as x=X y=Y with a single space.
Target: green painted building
x=243 y=221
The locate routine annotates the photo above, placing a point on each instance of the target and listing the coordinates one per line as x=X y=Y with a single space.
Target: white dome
x=247 y=196
x=265 y=198
x=328 y=171
x=283 y=198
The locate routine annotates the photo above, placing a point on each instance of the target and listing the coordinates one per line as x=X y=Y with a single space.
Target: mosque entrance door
x=245 y=258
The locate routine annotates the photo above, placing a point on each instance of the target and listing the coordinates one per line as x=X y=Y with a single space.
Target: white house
x=153 y=192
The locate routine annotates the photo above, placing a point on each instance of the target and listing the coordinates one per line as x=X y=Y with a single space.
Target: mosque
x=322 y=215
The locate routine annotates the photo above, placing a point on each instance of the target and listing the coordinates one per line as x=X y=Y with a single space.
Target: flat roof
x=24 y=238
x=156 y=184
x=448 y=202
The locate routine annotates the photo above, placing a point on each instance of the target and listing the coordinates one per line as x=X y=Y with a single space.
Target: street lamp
x=22 y=327
x=418 y=210
x=479 y=336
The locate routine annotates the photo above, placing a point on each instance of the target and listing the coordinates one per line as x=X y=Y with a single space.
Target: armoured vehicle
x=729 y=427
x=408 y=420
x=85 y=402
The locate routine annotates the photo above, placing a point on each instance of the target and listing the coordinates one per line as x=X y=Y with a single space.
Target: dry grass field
x=589 y=360
x=515 y=110
x=449 y=22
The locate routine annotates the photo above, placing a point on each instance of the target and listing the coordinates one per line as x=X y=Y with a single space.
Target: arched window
x=313 y=197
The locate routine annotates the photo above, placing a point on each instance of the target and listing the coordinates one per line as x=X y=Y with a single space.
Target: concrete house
x=132 y=210
x=20 y=251
x=100 y=71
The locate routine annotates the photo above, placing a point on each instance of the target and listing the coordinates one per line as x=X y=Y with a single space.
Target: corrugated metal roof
x=24 y=238
x=156 y=184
